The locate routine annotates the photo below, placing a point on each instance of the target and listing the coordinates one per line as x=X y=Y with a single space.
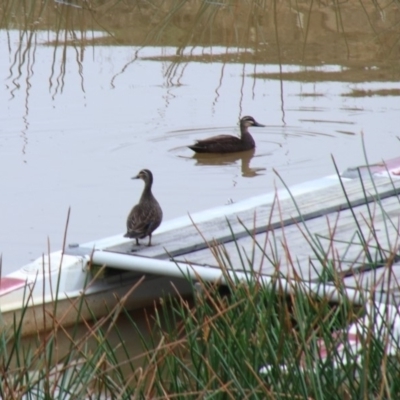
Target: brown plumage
x=228 y=143
x=146 y=216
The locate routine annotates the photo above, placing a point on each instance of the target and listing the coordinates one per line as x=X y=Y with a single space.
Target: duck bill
x=135 y=177
x=258 y=124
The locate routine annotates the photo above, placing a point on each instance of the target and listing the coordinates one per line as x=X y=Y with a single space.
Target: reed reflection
x=243 y=157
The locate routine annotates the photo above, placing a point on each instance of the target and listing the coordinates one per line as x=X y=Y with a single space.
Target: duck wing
x=143 y=220
x=217 y=144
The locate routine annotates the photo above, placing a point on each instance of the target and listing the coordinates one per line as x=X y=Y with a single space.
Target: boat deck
x=316 y=234
x=347 y=229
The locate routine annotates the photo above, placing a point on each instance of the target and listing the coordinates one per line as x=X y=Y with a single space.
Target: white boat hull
x=40 y=296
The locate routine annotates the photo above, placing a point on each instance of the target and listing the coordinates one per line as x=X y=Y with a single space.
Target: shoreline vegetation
x=243 y=340
x=362 y=38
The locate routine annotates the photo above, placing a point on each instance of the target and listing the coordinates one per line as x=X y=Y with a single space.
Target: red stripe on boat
x=8 y=285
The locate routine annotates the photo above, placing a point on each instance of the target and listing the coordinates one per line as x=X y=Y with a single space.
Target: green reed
x=217 y=348
x=41 y=367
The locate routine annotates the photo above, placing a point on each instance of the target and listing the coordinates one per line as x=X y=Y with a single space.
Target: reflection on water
x=363 y=47
x=243 y=158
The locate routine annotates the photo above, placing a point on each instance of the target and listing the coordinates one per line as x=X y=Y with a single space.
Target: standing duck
x=146 y=216
x=228 y=143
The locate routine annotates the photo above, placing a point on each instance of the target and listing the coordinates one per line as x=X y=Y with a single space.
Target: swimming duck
x=228 y=143
x=145 y=216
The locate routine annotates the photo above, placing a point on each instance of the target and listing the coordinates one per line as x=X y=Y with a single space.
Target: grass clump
x=78 y=362
x=245 y=340
x=257 y=343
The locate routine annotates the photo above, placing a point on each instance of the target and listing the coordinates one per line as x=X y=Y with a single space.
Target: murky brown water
x=78 y=121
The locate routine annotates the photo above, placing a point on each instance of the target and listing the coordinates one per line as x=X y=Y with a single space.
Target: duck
x=146 y=216
x=229 y=143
